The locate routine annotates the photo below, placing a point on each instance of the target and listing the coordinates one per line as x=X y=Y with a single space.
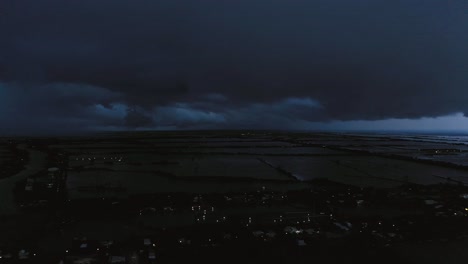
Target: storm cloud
x=95 y=65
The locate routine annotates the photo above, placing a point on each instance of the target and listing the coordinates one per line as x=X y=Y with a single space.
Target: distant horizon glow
x=454 y=122
x=457 y=123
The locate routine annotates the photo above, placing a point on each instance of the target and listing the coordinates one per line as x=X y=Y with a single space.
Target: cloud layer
x=229 y=64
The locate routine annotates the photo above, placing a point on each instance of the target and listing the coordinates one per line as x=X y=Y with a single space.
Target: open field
x=127 y=187
x=367 y=170
x=216 y=160
x=442 y=149
x=183 y=166
x=91 y=184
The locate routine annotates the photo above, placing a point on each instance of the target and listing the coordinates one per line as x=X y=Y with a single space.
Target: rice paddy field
x=368 y=170
x=222 y=161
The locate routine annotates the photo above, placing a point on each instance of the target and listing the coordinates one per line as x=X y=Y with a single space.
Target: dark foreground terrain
x=234 y=197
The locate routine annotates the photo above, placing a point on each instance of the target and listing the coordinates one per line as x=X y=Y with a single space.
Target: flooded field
x=367 y=170
x=216 y=162
x=90 y=184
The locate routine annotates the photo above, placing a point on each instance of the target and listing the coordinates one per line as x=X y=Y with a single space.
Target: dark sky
x=263 y=64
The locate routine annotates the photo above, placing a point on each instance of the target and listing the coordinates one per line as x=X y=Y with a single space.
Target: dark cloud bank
x=179 y=64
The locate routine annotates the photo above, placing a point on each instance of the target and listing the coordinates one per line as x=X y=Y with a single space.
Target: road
x=37 y=162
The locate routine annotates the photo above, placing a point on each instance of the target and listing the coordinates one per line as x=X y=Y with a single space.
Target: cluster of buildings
x=302 y=218
x=42 y=189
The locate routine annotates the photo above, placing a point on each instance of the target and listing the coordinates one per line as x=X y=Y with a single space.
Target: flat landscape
x=223 y=190
x=218 y=161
